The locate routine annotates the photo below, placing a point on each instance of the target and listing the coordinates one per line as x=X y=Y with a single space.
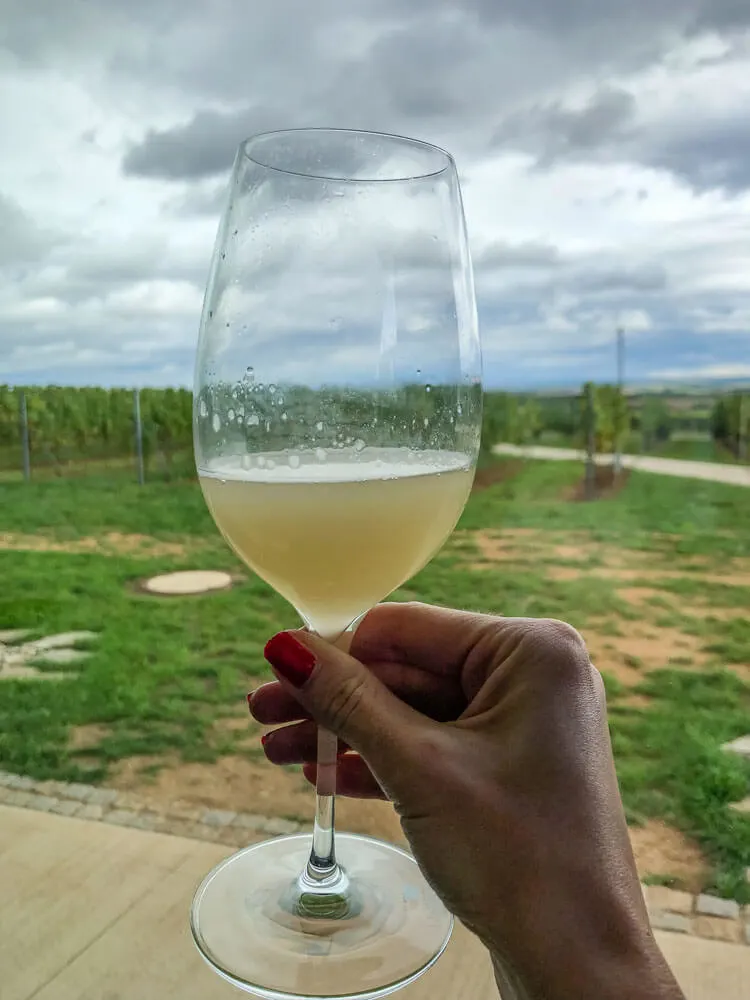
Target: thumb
x=342 y=695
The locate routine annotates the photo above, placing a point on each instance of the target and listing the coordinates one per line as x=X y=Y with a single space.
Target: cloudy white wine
x=335 y=537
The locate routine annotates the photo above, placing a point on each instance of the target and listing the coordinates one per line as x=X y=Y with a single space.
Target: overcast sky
x=604 y=150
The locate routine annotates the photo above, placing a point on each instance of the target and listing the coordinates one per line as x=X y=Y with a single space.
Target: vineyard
x=68 y=427
x=69 y=430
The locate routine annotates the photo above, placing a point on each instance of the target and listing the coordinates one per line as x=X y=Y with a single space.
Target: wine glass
x=337 y=418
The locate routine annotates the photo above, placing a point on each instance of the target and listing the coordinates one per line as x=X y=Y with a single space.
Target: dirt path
x=735 y=475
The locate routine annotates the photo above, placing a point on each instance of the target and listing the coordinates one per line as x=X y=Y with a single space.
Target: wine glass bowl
x=337 y=416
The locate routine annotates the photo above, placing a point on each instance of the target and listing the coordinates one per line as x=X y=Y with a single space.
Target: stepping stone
x=14 y=634
x=188 y=582
x=740 y=746
x=63 y=639
x=63 y=656
x=16 y=660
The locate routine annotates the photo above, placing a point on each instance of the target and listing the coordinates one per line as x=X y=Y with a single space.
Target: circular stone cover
x=198 y=581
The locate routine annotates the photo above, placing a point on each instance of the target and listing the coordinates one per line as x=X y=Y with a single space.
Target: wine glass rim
x=449 y=164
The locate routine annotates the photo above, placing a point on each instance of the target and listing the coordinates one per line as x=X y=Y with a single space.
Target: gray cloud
x=553 y=132
x=706 y=155
x=709 y=155
x=641 y=278
x=160 y=93
x=203 y=147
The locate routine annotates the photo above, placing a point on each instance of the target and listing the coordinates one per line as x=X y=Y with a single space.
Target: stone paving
x=703 y=916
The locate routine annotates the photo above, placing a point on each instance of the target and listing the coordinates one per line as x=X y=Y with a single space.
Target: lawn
x=656 y=576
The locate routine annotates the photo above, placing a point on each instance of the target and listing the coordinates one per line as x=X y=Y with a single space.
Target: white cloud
x=102 y=271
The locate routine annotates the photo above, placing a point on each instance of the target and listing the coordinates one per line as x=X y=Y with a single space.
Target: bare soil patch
x=661 y=850
x=639 y=595
x=82 y=738
x=507 y=546
x=649 y=575
x=113 y=543
x=496 y=472
x=630 y=657
x=243 y=785
x=238 y=784
x=606 y=484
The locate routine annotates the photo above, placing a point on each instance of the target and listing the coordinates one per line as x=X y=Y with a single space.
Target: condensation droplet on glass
x=249 y=375
x=319 y=426
x=241 y=412
x=428 y=388
x=321 y=454
x=210 y=314
x=268 y=425
x=426 y=422
x=284 y=417
x=202 y=408
x=230 y=415
x=246 y=462
x=280 y=401
x=270 y=464
x=460 y=410
x=272 y=389
x=359 y=445
x=253 y=420
x=216 y=422
x=261 y=462
x=419 y=371
x=294 y=461
x=348 y=440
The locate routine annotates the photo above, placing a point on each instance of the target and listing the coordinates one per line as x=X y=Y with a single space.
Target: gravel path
x=735 y=475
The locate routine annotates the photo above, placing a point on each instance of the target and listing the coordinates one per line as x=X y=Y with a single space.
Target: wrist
x=619 y=961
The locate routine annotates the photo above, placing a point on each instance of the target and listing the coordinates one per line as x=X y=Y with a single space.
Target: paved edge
x=702 y=916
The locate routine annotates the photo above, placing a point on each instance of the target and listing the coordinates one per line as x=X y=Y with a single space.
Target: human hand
x=490 y=737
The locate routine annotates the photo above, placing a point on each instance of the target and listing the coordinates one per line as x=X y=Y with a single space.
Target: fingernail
x=289 y=658
x=264 y=739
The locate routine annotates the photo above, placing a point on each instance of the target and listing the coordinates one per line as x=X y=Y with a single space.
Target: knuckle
x=343 y=704
x=562 y=637
x=561 y=648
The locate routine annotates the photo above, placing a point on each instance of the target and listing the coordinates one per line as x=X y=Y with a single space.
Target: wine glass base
x=382 y=933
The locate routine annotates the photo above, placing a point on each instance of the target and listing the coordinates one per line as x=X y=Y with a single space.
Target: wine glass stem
x=322 y=864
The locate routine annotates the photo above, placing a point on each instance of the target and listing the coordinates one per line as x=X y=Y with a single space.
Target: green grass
x=166 y=671
x=695 y=449
x=161 y=674
x=702 y=518
x=671 y=766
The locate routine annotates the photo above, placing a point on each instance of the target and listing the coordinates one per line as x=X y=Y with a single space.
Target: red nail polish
x=289 y=658
x=264 y=739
